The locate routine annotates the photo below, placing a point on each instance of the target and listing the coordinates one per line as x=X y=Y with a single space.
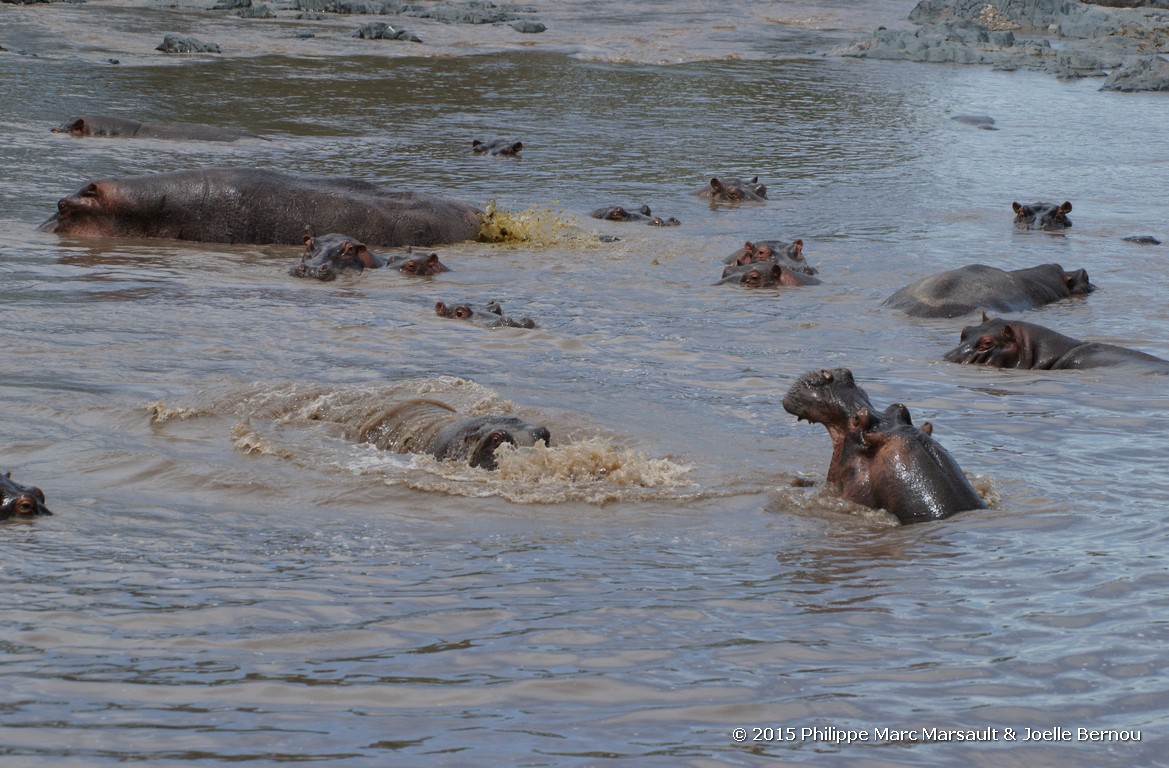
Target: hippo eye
x=90 y=190
x=986 y=343
x=410 y=266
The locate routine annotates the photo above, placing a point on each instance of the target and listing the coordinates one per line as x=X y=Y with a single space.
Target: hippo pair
x=1015 y=344
x=20 y=501
x=253 y=205
x=107 y=125
x=643 y=213
x=768 y=263
x=880 y=459
x=327 y=256
x=434 y=428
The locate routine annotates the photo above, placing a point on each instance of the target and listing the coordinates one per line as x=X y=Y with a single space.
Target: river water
x=228 y=578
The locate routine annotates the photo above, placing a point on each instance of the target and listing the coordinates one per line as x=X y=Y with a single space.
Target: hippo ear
x=1017 y=208
x=985 y=317
x=432 y=260
x=441 y=310
x=1066 y=207
x=1009 y=333
x=716 y=185
x=517 y=146
x=928 y=428
x=367 y=259
x=754 y=180
x=308 y=240
x=475 y=143
x=798 y=249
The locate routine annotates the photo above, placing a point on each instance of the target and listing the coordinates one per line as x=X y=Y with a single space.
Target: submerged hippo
x=1046 y=216
x=977 y=286
x=20 y=501
x=1016 y=344
x=790 y=255
x=881 y=460
x=253 y=205
x=765 y=274
x=429 y=426
x=497 y=147
x=488 y=315
x=106 y=125
x=643 y=213
x=732 y=189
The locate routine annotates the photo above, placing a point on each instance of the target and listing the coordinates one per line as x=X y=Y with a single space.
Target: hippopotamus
x=790 y=255
x=488 y=315
x=765 y=274
x=1046 y=216
x=977 y=286
x=326 y=256
x=433 y=427
x=643 y=213
x=253 y=205
x=418 y=265
x=20 y=501
x=497 y=147
x=880 y=459
x=732 y=189
x=1015 y=344
x=106 y=125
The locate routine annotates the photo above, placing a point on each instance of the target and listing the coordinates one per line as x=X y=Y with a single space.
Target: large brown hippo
x=107 y=125
x=253 y=205
x=433 y=427
x=765 y=274
x=790 y=255
x=881 y=460
x=20 y=501
x=1050 y=217
x=731 y=189
x=489 y=315
x=1015 y=344
x=977 y=286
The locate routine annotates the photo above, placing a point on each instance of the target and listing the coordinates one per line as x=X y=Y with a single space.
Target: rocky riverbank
x=1122 y=45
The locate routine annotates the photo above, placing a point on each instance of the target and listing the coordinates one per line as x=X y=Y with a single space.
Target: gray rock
x=173 y=43
x=1115 y=43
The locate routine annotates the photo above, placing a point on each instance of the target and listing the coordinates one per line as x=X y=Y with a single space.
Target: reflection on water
x=230 y=576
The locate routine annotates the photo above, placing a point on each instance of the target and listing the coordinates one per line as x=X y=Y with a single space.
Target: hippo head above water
x=765 y=274
x=418 y=265
x=880 y=459
x=326 y=256
x=732 y=189
x=476 y=439
x=488 y=315
x=20 y=501
x=497 y=147
x=1045 y=216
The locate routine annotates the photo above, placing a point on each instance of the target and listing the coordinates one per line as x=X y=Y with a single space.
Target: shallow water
x=230 y=578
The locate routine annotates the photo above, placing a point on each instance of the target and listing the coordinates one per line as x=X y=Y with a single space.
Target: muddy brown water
x=229 y=578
